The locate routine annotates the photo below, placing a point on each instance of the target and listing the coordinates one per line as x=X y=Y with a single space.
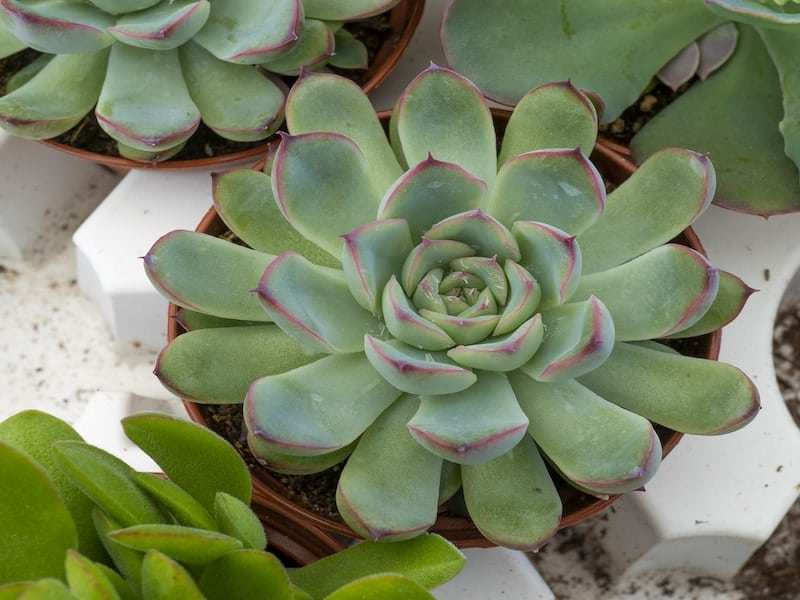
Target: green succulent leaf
x=188 y=545
x=485 y=234
x=238 y=102
x=636 y=219
x=428 y=120
x=428 y=255
x=121 y=586
x=285 y=462
x=321 y=102
x=558 y=187
x=253 y=43
x=58 y=27
x=553 y=115
x=246 y=574
x=754 y=173
x=389 y=488
x=9 y=43
x=512 y=499
x=175 y=444
x=728 y=303
x=181 y=505
x=552 y=257
x=524 y=296
x=47 y=589
x=34 y=432
x=165 y=579
x=208 y=274
x=315 y=45
x=313 y=305
x=144 y=102
x=463 y=428
x=406 y=324
x=350 y=52
x=373 y=254
x=335 y=10
x=714 y=397
x=12 y=591
x=236 y=519
x=191 y=320
x=768 y=14
x=430 y=192
x=108 y=481
x=343 y=391
x=57 y=98
x=502 y=353
x=416 y=371
x=116 y=7
x=557 y=41
x=87 y=580
x=43 y=521
x=217 y=366
x=165 y=25
x=126 y=561
x=595 y=444
x=244 y=201
x=387 y=586
x=673 y=287
x=321 y=183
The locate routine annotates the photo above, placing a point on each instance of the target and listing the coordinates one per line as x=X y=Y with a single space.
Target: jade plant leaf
x=165 y=579
x=86 y=579
x=45 y=522
x=126 y=561
x=175 y=445
x=387 y=586
x=187 y=545
x=246 y=574
x=181 y=505
x=236 y=519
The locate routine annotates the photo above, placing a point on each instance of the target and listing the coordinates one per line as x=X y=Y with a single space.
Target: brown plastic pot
x=403 y=21
x=460 y=530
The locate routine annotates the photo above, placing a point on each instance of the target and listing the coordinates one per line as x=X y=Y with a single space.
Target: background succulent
x=78 y=523
x=437 y=312
x=152 y=69
x=745 y=116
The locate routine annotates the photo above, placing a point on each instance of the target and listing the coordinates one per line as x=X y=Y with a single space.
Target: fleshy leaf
x=165 y=25
x=558 y=41
x=86 y=579
x=208 y=274
x=343 y=392
x=244 y=201
x=322 y=185
x=429 y=118
x=688 y=394
x=673 y=286
x=253 y=43
x=389 y=487
x=188 y=545
x=637 y=219
x=181 y=505
x=47 y=589
x=313 y=305
x=595 y=444
x=238 y=102
x=558 y=187
x=512 y=499
x=57 y=97
x=406 y=324
x=126 y=561
x=771 y=13
x=246 y=574
x=578 y=337
x=312 y=49
x=429 y=192
x=323 y=102
x=716 y=47
x=9 y=43
x=471 y=426
x=165 y=579
x=484 y=233
x=236 y=519
x=503 y=353
x=217 y=366
x=334 y=10
x=350 y=52
x=681 y=67
x=428 y=255
x=553 y=258
x=416 y=371
x=463 y=330
x=175 y=444
x=553 y=115
x=769 y=184
x=372 y=255
x=524 y=295
x=284 y=462
x=144 y=102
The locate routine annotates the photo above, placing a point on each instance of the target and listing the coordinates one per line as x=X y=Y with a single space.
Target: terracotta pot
x=578 y=506
x=403 y=21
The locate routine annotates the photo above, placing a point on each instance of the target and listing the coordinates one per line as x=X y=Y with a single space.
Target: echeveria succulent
x=78 y=523
x=444 y=315
x=745 y=116
x=153 y=69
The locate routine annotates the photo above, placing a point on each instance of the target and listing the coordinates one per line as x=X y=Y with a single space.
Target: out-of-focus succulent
x=745 y=116
x=437 y=314
x=79 y=523
x=153 y=69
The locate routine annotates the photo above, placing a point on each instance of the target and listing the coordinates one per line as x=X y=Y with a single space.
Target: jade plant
x=745 y=115
x=79 y=523
x=445 y=316
x=153 y=69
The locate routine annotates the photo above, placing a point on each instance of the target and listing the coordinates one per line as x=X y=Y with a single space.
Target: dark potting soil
x=204 y=143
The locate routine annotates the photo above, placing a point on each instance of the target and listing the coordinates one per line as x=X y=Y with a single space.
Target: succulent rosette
x=153 y=69
x=445 y=315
